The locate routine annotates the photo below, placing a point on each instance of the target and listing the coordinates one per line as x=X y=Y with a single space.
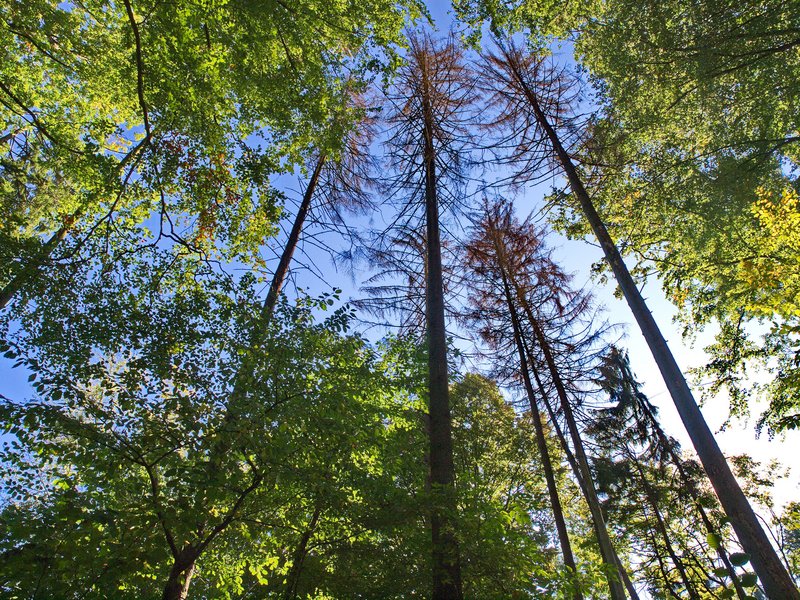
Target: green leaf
x=749 y=579
x=714 y=540
x=740 y=559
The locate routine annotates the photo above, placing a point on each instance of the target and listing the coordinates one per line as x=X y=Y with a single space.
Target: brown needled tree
x=528 y=93
x=488 y=306
x=511 y=256
x=428 y=139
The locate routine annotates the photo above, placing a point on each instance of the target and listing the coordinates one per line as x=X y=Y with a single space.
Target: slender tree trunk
x=689 y=485
x=446 y=559
x=616 y=588
x=626 y=579
x=268 y=308
x=662 y=528
x=573 y=463
x=279 y=277
x=661 y=566
x=299 y=555
x=541 y=443
x=773 y=575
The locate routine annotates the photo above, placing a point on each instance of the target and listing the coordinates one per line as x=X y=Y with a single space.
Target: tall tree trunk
x=282 y=270
x=446 y=559
x=541 y=443
x=268 y=308
x=581 y=463
x=773 y=575
x=573 y=463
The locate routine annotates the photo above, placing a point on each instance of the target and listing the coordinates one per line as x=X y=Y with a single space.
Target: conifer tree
x=513 y=259
x=428 y=145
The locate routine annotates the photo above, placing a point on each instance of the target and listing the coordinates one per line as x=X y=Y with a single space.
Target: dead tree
x=428 y=144
x=512 y=258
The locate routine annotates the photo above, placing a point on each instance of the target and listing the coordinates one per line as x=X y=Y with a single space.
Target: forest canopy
x=283 y=280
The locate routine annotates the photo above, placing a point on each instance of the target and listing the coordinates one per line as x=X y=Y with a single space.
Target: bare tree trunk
x=446 y=559
x=541 y=443
x=771 y=571
x=573 y=463
x=581 y=463
x=282 y=270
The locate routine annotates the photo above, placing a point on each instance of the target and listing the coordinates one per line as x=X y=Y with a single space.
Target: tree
x=427 y=149
x=521 y=82
x=500 y=487
x=511 y=256
x=133 y=403
x=173 y=121
x=633 y=407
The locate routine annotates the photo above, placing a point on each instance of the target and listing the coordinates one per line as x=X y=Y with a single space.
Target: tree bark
x=282 y=270
x=541 y=443
x=180 y=576
x=773 y=575
x=446 y=559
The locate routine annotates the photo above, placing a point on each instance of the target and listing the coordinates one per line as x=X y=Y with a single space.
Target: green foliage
x=111 y=114
x=502 y=496
x=121 y=445
x=661 y=501
x=699 y=182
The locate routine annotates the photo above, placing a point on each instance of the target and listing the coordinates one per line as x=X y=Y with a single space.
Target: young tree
x=632 y=412
x=526 y=90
